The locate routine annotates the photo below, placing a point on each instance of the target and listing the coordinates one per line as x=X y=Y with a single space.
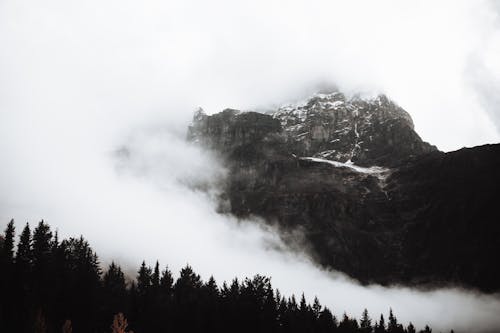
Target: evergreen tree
x=211 y=289
x=24 y=250
x=24 y=310
x=165 y=291
x=114 y=290
x=427 y=329
x=83 y=282
x=316 y=307
x=7 y=280
x=210 y=305
x=326 y=321
x=77 y=296
x=8 y=243
x=114 y=280
x=392 y=325
x=380 y=327
x=348 y=325
x=166 y=281
x=42 y=239
x=303 y=304
x=144 y=279
x=365 y=324
x=144 y=298
x=187 y=303
x=55 y=244
x=155 y=278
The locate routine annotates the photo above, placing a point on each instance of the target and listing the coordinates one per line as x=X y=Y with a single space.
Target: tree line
x=48 y=285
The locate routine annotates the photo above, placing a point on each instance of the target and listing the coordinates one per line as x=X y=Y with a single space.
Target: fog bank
x=79 y=81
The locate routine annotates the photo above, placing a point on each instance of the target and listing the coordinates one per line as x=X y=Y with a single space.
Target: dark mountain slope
x=453 y=232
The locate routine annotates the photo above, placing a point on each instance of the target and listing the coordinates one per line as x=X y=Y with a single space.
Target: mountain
x=352 y=182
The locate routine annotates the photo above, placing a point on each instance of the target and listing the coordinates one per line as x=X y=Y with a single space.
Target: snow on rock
x=334 y=127
x=375 y=170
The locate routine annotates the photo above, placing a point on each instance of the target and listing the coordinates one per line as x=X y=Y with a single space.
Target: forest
x=51 y=285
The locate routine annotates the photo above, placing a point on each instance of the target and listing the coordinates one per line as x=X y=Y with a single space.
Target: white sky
x=80 y=78
x=433 y=57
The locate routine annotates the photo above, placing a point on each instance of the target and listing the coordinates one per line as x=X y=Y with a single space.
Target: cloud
x=81 y=80
x=482 y=72
x=487 y=87
x=136 y=205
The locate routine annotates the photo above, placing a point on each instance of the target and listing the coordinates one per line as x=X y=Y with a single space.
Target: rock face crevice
x=370 y=198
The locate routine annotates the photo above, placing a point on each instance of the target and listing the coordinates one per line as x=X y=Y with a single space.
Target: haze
x=81 y=80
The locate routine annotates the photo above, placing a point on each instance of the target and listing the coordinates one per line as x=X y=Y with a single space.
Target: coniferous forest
x=52 y=285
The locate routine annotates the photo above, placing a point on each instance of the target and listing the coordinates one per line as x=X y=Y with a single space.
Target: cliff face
x=365 y=131
x=370 y=198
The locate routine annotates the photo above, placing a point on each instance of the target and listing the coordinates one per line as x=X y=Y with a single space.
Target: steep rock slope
x=364 y=131
x=366 y=195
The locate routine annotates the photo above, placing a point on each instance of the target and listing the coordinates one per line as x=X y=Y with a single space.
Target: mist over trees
x=52 y=285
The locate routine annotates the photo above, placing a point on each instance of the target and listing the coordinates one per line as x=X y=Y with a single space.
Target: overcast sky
x=79 y=79
x=126 y=59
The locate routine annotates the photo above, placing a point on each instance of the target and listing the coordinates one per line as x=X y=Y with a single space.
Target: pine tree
x=8 y=243
x=348 y=325
x=7 y=279
x=292 y=304
x=365 y=324
x=303 y=304
x=316 y=307
x=114 y=290
x=380 y=327
x=410 y=328
x=155 y=278
x=82 y=282
x=114 y=279
x=326 y=321
x=187 y=289
x=393 y=326
x=167 y=280
x=211 y=288
x=186 y=285
x=427 y=329
x=210 y=306
x=55 y=242
x=24 y=249
x=166 y=285
x=42 y=237
x=143 y=279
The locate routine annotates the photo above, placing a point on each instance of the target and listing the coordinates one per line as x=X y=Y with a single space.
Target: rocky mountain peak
x=365 y=131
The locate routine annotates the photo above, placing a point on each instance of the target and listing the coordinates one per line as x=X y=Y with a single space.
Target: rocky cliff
x=366 y=194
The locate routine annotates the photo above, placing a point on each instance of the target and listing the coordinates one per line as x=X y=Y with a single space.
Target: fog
x=81 y=80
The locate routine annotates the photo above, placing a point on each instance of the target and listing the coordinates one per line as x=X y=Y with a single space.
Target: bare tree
x=119 y=324
x=67 y=327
